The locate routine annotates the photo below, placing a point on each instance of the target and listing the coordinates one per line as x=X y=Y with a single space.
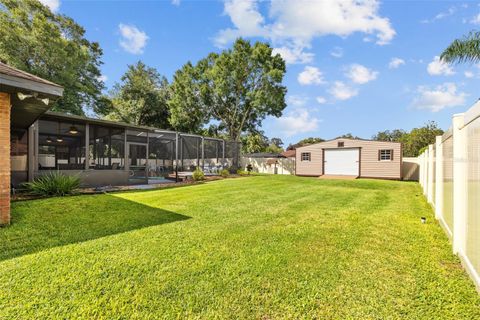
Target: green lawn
x=265 y=247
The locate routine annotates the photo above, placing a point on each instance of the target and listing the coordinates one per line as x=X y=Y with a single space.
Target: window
x=106 y=148
x=306 y=156
x=61 y=145
x=385 y=155
x=340 y=144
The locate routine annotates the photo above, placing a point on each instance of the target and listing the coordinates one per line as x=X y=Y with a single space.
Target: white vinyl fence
x=269 y=165
x=450 y=178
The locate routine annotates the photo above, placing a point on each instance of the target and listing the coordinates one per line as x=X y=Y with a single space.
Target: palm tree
x=466 y=49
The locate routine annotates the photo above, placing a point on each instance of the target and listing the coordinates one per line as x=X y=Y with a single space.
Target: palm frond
x=463 y=50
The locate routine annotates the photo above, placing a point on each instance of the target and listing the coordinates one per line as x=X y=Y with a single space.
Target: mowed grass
x=265 y=247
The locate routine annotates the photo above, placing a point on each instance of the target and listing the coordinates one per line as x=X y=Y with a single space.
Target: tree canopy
x=413 y=141
x=236 y=89
x=54 y=47
x=140 y=98
x=466 y=49
x=304 y=142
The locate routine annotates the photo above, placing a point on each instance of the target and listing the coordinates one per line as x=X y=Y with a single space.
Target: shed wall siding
x=370 y=166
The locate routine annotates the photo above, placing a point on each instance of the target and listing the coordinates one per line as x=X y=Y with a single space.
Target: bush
x=242 y=172
x=198 y=175
x=224 y=173
x=53 y=184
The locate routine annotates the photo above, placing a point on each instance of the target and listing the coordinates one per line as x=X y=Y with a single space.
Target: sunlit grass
x=264 y=247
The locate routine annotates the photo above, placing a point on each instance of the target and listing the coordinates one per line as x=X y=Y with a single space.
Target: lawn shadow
x=38 y=225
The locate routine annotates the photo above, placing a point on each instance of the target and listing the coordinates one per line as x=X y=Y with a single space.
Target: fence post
x=459 y=184
x=439 y=178
x=420 y=169
x=430 y=190
x=425 y=172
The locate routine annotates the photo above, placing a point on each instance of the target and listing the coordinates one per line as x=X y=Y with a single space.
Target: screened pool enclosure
x=112 y=153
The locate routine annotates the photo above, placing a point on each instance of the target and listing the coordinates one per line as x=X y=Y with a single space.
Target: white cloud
x=294 y=55
x=102 y=78
x=176 y=2
x=395 y=63
x=321 y=100
x=341 y=91
x=438 y=67
x=440 y=97
x=310 y=75
x=245 y=17
x=296 y=100
x=337 y=52
x=469 y=74
x=133 y=40
x=299 y=120
x=54 y=5
x=441 y=15
x=293 y=24
x=360 y=74
x=475 y=20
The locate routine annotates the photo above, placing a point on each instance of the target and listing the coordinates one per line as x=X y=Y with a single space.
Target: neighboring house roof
x=264 y=155
x=289 y=153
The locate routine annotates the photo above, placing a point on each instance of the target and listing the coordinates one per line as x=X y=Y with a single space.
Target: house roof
x=30 y=95
x=264 y=155
x=289 y=153
x=13 y=80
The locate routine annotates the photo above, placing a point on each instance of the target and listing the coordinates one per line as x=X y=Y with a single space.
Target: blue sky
x=357 y=68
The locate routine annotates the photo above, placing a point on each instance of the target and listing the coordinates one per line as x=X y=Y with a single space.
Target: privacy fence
x=450 y=178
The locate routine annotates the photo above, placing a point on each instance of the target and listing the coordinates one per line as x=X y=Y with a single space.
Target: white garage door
x=342 y=162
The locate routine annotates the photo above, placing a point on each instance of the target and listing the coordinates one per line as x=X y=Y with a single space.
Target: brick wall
x=4 y=158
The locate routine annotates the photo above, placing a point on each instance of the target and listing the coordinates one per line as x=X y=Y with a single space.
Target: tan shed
x=351 y=157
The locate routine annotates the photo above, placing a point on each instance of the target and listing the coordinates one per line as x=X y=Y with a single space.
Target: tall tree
x=237 y=88
x=419 y=138
x=254 y=142
x=54 y=47
x=141 y=98
x=466 y=49
x=304 y=142
x=395 y=135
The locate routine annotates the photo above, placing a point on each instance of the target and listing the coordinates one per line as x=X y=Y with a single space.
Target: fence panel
x=447 y=214
x=473 y=194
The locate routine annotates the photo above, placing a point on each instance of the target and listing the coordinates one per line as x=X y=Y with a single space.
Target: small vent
x=340 y=144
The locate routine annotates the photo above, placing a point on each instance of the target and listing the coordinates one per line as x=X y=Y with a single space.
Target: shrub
x=224 y=173
x=198 y=175
x=53 y=184
x=242 y=172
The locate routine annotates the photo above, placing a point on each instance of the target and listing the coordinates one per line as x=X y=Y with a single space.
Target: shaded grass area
x=265 y=247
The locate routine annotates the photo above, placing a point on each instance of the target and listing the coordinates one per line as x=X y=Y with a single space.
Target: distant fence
x=269 y=165
x=450 y=178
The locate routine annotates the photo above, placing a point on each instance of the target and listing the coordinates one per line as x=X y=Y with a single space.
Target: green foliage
x=225 y=173
x=242 y=172
x=254 y=142
x=466 y=49
x=238 y=88
x=305 y=142
x=272 y=148
x=54 y=47
x=141 y=98
x=198 y=175
x=395 y=135
x=266 y=247
x=415 y=140
x=347 y=136
x=53 y=184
